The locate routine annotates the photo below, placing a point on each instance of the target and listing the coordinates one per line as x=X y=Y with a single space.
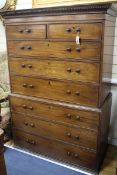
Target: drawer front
x=69 y=31
x=88 y=72
x=55 y=131
x=82 y=119
x=86 y=50
x=26 y=32
x=58 y=150
x=56 y=90
x=59 y=114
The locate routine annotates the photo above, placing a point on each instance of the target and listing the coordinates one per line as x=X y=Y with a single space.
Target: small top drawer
x=26 y=32
x=69 y=31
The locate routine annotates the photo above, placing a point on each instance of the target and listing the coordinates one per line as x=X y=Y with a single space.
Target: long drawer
x=26 y=31
x=53 y=149
x=73 y=135
x=86 y=50
x=88 y=72
x=56 y=113
x=76 y=93
x=69 y=31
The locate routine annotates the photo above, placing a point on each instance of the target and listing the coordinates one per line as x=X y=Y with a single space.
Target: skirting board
x=113 y=141
x=114 y=81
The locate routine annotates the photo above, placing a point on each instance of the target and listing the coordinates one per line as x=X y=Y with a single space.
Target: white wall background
x=114 y=72
x=25 y=4
x=2 y=38
x=113 y=121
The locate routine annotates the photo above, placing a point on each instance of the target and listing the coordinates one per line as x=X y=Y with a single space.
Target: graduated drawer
x=88 y=72
x=73 y=135
x=69 y=31
x=55 y=149
x=26 y=31
x=57 y=113
x=56 y=90
x=71 y=50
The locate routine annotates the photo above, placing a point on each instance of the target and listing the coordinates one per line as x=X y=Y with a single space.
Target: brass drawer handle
x=68 y=115
x=28 y=30
x=27 y=107
x=24 y=106
x=30 y=107
x=78 y=71
x=29 y=66
x=27 y=140
x=77 y=93
x=31 y=86
x=22 y=47
x=78 y=49
x=68 y=153
x=77 y=137
x=24 y=85
x=76 y=155
x=68 y=49
x=68 y=92
x=32 y=125
x=77 y=117
x=20 y=30
x=23 y=65
x=78 y=29
x=69 y=69
x=29 y=47
x=68 y=30
x=32 y=142
x=69 y=134
x=49 y=82
x=26 y=123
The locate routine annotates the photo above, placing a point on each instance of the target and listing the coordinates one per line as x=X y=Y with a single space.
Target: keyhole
x=49 y=82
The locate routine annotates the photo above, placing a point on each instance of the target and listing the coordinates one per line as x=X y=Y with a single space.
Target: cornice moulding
x=89 y=8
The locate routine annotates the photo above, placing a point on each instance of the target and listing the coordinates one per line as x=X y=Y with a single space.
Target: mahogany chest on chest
x=60 y=64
